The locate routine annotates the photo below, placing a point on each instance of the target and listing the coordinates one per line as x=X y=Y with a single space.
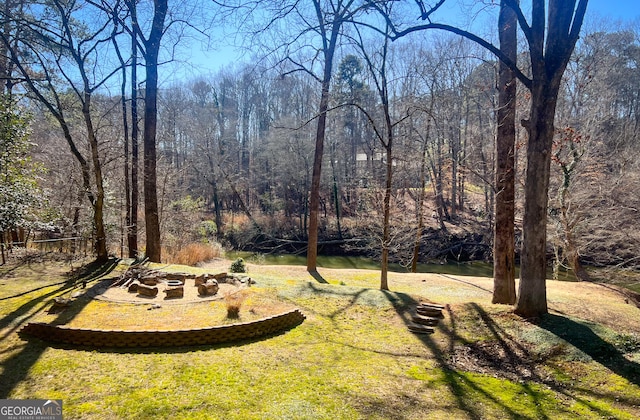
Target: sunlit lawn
x=352 y=358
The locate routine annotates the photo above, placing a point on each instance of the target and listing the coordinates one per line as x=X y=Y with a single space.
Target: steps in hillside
x=426 y=318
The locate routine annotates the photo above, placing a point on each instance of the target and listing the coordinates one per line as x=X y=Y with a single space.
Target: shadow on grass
x=318 y=277
x=66 y=282
x=454 y=380
x=583 y=338
x=502 y=355
x=468 y=283
x=16 y=367
x=484 y=365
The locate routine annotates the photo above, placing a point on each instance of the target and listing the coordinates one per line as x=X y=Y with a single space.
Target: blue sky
x=203 y=62
x=616 y=9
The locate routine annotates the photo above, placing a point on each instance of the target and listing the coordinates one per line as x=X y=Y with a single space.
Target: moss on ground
x=353 y=357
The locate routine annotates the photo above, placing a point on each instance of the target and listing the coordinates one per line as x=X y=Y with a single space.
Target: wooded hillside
x=235 y=148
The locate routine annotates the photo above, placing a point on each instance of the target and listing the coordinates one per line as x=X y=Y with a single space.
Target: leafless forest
x=235 y=148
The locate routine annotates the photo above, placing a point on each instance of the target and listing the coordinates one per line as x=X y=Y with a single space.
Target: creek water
x=475 y=268
x=480 y=269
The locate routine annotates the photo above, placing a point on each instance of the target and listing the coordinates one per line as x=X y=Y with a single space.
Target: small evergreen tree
x=19 y=190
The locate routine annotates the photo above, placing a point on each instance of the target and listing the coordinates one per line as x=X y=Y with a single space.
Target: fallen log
x=201 y=279
x=133 y=286
x=177 y=276
x=220 y=277
x=149 y=280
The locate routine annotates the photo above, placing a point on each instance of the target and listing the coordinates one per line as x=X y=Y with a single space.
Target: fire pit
x=174 y=283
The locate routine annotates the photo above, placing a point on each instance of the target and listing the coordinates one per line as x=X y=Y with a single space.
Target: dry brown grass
x=234 y=302
x=192 y=253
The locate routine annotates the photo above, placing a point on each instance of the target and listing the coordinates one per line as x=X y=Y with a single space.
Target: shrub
x=207 y=229
x=238 y=266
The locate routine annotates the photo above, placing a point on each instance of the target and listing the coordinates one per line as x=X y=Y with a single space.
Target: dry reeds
x=192 y=254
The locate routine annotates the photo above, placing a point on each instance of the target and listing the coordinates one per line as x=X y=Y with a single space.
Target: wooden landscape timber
x=431 y=312
x=426 y=318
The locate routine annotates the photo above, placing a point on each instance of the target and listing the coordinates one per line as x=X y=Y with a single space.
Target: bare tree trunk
x=548 y=65
x=127 y=179
x=4 y=261
x=132 y=231
x=532 y=299
x=152 y=219
x=454 y=147
x=504 y=271
x=336 y=192
x=314 y=196
x=386 y=235
x=420 y=203
x=98 y=206
x=125 y=128
x=217 y=210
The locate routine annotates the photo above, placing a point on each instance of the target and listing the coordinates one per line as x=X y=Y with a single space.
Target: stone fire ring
x=99 y=338
x=102 y=291
x=173 y=283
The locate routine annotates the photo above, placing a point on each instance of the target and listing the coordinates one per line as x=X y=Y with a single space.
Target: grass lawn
x=352 y=358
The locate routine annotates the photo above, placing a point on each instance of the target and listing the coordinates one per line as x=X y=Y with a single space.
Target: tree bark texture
x=98 y=206
x=314 y=195
x=132 y=231
x=532 y=299
x=504 y=271
x=152 y=219
x=551 y=43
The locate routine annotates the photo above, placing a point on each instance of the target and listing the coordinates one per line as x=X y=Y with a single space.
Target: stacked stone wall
x=191 y=337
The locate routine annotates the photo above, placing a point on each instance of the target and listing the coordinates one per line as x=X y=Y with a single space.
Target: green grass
x=352 y=358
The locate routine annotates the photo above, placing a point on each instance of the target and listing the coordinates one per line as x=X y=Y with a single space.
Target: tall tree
x=385 y=134
x=551 y=37
x=151 y=55
x=329 y=24
x=132 y=227
x=504 y=270
x=551 y=42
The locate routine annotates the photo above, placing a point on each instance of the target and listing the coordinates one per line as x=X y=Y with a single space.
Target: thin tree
x=385 y=135
x=132 y=230
x=329 y=24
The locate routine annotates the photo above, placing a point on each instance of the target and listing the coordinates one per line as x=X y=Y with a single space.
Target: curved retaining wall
x=200 y=336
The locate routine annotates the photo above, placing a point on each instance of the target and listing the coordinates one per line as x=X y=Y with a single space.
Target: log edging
x=164 y=338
